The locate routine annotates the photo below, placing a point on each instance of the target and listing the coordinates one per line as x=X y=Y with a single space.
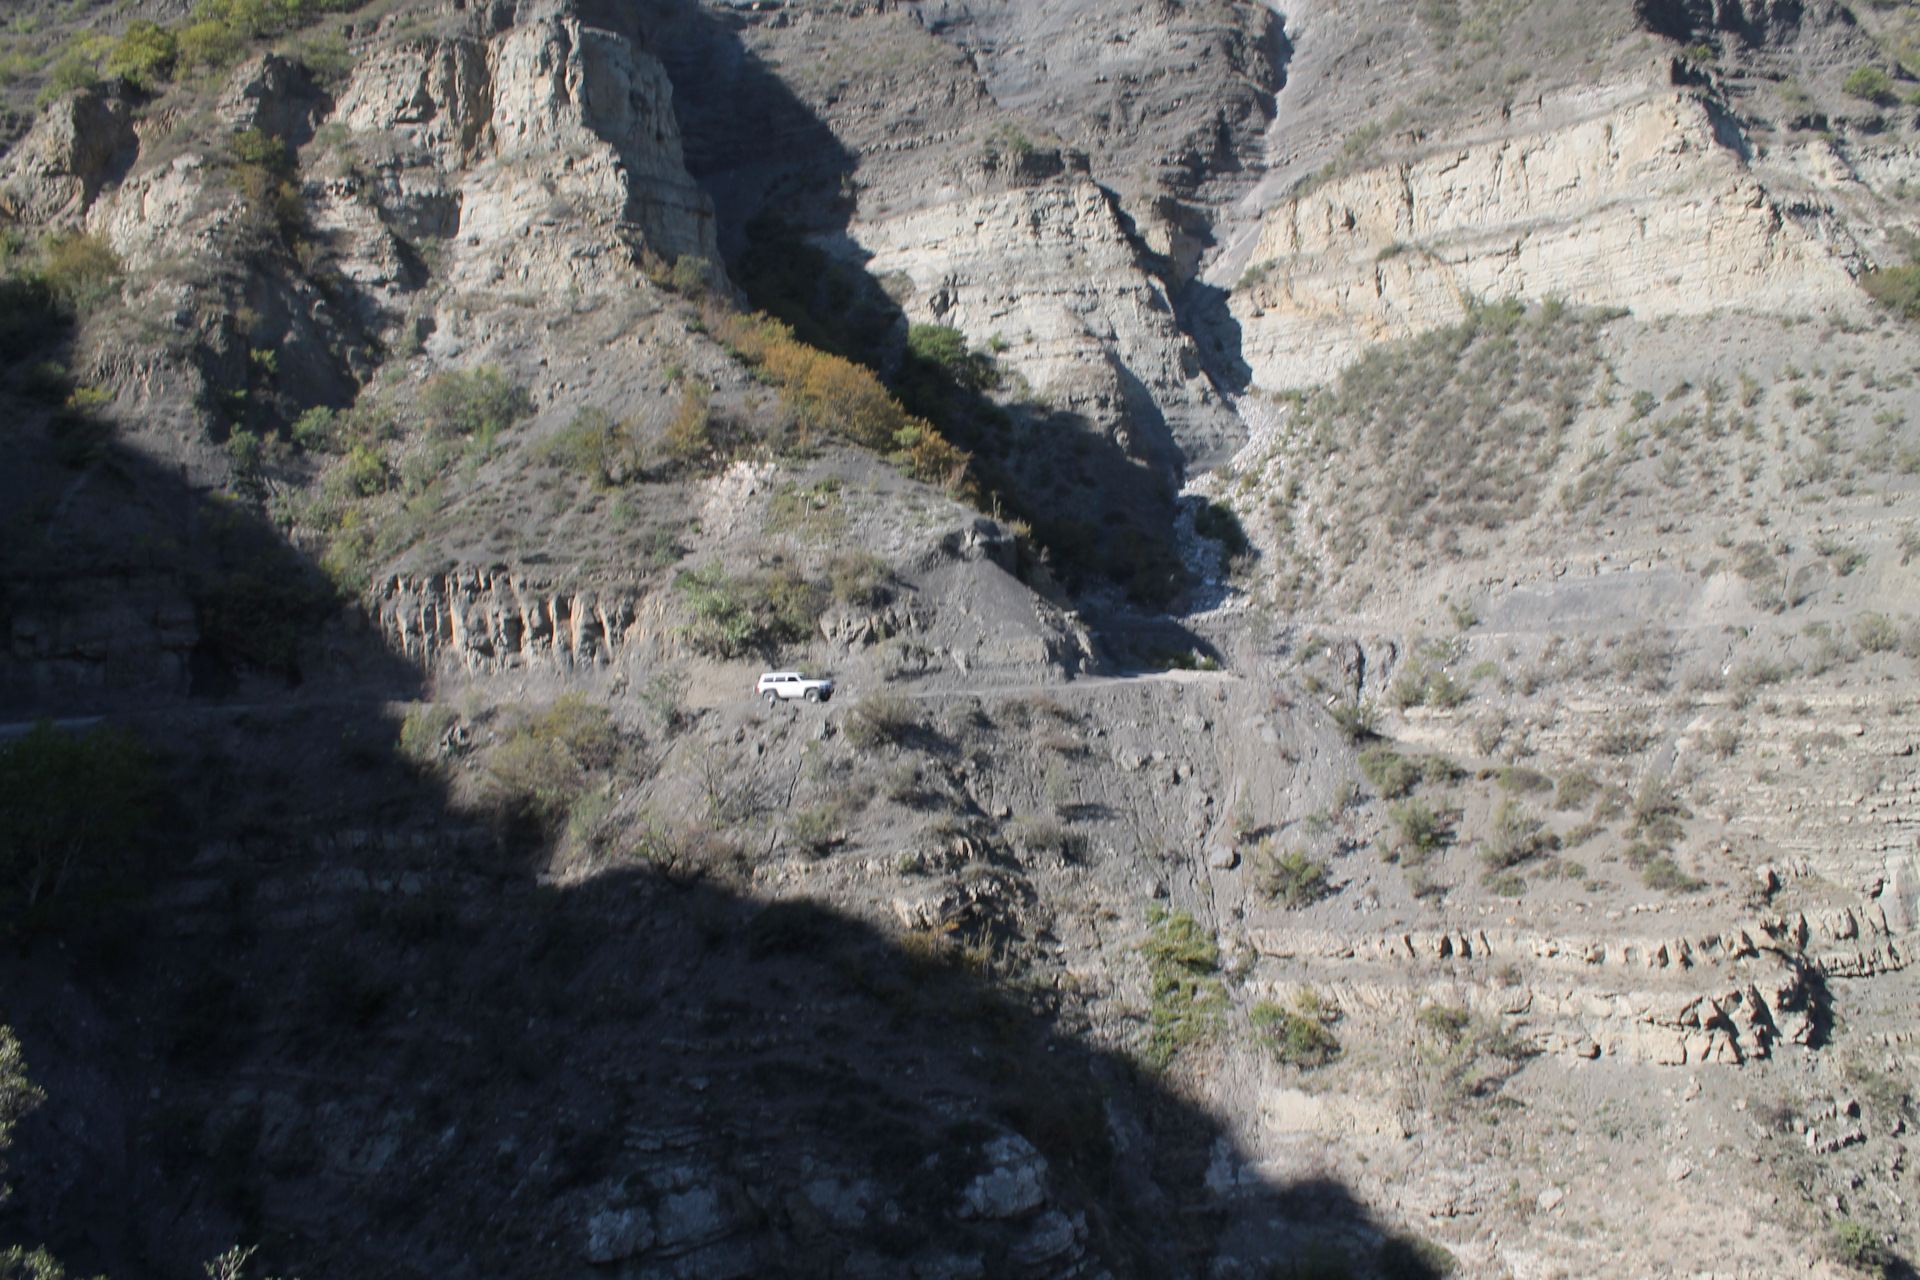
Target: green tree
x=145 y=54
x=1870 y=83
x=479 y=404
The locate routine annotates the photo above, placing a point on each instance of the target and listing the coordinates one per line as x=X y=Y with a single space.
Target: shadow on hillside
x=349 y=1023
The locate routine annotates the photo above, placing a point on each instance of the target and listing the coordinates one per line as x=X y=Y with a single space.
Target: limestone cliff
x=1047 y=275
x=1647 y=203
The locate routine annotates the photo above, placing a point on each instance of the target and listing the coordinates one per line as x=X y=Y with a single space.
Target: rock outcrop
x=1048 y=276
x=1719 y=997
x=1649 y=203
x=537 y=156
x=492 y=619
x=83 y=141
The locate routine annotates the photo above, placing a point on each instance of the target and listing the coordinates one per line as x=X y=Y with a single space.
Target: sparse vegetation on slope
x=1440 y=439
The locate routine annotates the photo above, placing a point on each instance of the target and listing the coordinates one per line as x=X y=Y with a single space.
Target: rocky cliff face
x=1047 y=277
x=550 y=124
x=1649 y=204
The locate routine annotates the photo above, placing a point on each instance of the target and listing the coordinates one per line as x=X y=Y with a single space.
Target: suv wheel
x=813 y=695
x=773 y=699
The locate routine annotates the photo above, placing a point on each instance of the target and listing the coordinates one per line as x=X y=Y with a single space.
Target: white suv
x=775 y=685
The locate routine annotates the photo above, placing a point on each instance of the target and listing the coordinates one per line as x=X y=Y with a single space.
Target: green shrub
x=476 y=405
x=243 y=455
x=144 y=54
x=816 y=830
x=734 y=616
x=544 y=758
x=1189 y=1004
x=1423 y=830
x=19 y=1263
x=1462 y=1057
x=1218 y=521
x=1756 y=673
x=860 y=578
x=1657 y=814
x=1575 y=790
x=423 y=733
x=251 y=146
x=1663 y=873
x=1300 y=1036
x=1895 y=288
x=1425 y=681
x=1856 y=1245
x=71 y=807
x=1357 y=721
x=316 y=430
x=1842 y=558
x=597 y=446
x=210 y=45
x=18 y=1096
x=1521 y=780
x=1505 y=884
x=691 y=275
x=1292 y=879
x=1392 y=774
x=71 y=72
x=1869 y=83
x=945 y=349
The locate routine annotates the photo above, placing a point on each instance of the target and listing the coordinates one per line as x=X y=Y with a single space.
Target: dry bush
x=1516 y=836
x=543 y=760
x=836 y=397
x=1644 y=659
x=1392 y=774
x=880 y=719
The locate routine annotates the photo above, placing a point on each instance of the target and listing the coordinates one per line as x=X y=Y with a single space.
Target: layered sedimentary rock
x=1717 y=997
x=1649 y=204
x=1047 y=275
x=534 y=154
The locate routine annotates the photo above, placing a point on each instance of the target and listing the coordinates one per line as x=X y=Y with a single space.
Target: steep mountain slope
x=1366 y=554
